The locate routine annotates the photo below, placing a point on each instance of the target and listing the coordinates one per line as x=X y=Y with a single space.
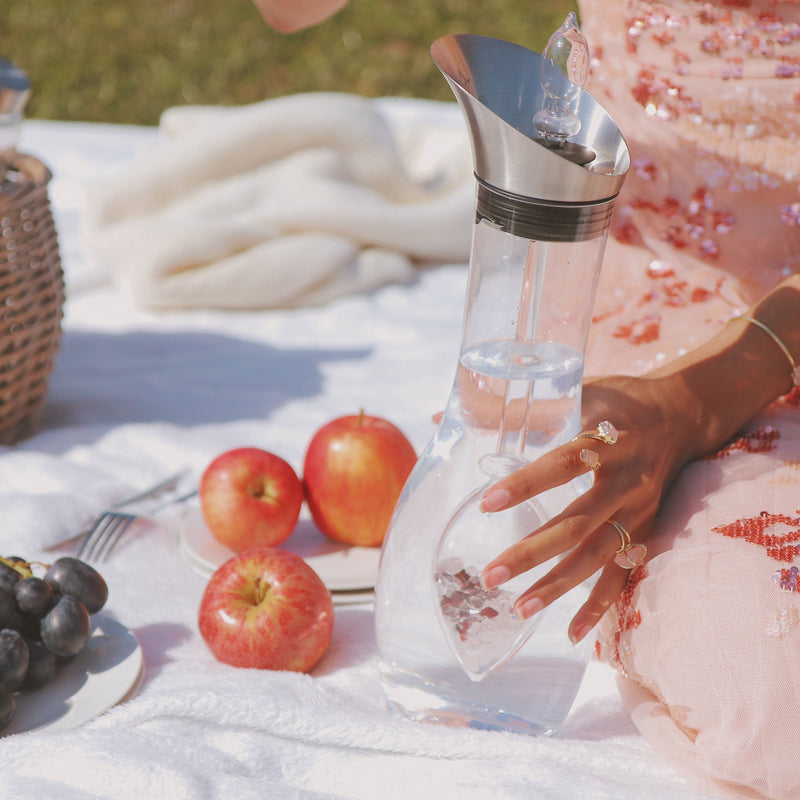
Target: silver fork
x=104 y=535
x=109 y=527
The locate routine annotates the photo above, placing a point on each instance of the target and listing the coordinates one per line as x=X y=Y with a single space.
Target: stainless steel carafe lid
x=498 y=86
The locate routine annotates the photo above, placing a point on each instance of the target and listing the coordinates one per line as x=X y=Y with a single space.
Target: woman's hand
x=655 y=439
x=665 y=419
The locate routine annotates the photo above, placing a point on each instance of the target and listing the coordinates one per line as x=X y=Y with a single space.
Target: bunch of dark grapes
x=44 y=622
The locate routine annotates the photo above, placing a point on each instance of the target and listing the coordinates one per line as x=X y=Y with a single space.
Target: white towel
x=287 y=202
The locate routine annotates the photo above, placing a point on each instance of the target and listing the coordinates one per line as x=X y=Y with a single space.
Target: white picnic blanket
x=137 y=394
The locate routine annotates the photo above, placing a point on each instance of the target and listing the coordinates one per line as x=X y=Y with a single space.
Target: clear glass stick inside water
x=535 y=376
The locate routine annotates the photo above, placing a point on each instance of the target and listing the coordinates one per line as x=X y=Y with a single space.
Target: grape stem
x=24 y=568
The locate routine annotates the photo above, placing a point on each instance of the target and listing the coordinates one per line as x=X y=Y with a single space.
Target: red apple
x=266 y=609
x=354 y=470
x=250 y=498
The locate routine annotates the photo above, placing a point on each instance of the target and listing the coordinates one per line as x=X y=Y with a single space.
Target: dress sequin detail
x=761 y=440
x=740 y=138
x=792 y=398
x=778 y=534
x=785 y=617
x=640 y=331
x=627 y=618
x=730 y=34
x=783 y=620
x=787 y=578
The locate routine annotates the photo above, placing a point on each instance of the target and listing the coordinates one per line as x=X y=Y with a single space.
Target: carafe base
x=534 y=701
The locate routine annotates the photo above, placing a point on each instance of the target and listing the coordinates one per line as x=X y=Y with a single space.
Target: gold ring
x=630 y=554
x=604 y=432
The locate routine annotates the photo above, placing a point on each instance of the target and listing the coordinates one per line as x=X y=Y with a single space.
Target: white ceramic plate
x=109 y=670
x=348 y=572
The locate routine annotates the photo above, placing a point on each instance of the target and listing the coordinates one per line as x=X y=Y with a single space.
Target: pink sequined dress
x=707 y=635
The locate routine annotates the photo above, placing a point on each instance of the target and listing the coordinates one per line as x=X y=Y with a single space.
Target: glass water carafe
x=448 y=650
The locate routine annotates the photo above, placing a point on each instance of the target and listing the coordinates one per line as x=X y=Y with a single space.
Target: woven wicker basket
x=31 y=297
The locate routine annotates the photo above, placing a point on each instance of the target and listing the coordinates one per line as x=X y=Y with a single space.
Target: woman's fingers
x=563 y=532
x=596 y=552
x=604 y=593
x=554 y=468
x=578 y=565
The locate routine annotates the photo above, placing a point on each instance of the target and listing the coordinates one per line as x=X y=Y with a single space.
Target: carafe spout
x=499 y=88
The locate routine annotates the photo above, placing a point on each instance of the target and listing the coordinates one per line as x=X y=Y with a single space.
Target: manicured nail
x=494 y=576
x=527 y=609
x=495 y=499
x=579 y=633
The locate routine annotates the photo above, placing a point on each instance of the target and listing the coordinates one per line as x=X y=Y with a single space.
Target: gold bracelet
x=784 y=349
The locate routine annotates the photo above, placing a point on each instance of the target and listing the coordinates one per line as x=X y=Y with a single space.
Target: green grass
x=128 y=60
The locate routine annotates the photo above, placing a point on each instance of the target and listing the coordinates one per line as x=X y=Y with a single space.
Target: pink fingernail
x=494 y=576
x=579 y=633
x=528 y=608
x=495 y=499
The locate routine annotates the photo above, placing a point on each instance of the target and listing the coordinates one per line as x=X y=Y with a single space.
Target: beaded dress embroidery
x=707 y=638
x=709 y=99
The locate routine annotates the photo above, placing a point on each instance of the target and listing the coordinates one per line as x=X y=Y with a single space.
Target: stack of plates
x=348 y=572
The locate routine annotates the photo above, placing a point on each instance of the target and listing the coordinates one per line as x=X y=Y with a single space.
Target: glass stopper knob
x=565 y=69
